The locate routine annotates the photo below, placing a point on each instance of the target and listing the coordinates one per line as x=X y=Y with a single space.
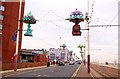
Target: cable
x=92 y=10
x=44 y=42
x=46 y=14
x=60 y=26
x=104 y=25
x=40 y=26
x=58 y=16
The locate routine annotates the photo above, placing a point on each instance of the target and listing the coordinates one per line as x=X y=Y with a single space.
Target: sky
x=52 y=26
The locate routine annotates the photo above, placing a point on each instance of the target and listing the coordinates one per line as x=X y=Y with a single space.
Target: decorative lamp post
x=64 y=45
x=76 y=17
x=29 y=19
x=81 y=48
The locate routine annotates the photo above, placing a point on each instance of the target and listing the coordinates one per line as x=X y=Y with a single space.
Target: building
x=33 y=55
x=9 y=25
x=58 y=54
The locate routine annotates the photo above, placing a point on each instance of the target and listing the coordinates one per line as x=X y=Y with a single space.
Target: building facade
x=33 y=55
x=59 y=54
x=9 y=17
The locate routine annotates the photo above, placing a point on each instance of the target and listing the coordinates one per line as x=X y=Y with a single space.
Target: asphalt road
x=53 y=71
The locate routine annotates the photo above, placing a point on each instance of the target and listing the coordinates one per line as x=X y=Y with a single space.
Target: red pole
x=17 y=39
x=15 y=62
x=88 y=63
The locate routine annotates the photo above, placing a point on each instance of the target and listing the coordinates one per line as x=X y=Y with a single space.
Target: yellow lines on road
x=75 y=73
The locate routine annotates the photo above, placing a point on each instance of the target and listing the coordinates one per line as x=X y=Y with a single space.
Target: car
x=71 y=63
x=79 y=62
x=61 y=63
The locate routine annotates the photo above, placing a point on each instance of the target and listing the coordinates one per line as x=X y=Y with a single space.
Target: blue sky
x=52 y=25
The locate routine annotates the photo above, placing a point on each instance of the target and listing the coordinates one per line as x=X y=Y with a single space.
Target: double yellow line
x=75 y=73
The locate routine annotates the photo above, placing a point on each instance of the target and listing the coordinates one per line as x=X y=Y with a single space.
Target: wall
x=39 y=60
x=10 y=66
x=10 y=24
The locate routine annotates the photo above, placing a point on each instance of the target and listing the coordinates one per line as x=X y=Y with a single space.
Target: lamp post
x=17 y=40
x=29 y=20
x=88 y=36
x=81 y=48
x=64 y=46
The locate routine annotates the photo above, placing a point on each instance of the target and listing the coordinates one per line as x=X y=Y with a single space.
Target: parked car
x=61 y=63
x=71 y=63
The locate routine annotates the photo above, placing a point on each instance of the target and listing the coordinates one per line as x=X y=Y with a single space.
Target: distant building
x=59 y=54
x=33 y=55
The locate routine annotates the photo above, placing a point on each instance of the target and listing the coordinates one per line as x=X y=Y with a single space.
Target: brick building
x=9 y=16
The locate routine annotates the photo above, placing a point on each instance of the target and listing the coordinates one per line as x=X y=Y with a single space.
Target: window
x=2 y=0
x=0 y=26
x=1 y=17
x=2 y=8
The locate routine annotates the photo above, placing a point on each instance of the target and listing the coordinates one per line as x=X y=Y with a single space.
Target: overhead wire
x=45 y=43
x=60 y=26
x=92 y=10
x=40 y=26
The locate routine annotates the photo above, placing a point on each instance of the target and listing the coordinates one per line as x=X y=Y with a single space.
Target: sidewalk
x=82 y=72
x=30 y=68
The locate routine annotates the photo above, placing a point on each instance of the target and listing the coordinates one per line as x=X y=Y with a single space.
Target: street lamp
x=17 y=40
x=88 y=21
x=81 y=48
x=64 y=45
x=29 y=20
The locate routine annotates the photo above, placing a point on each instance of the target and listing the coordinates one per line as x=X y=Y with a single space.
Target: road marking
x=18 y=73
x=75 y=73
x=92 y=76
x=38 y=75
x=9 y=75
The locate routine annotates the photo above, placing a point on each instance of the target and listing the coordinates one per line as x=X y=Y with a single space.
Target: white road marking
x=38 y=75
x=92 y=76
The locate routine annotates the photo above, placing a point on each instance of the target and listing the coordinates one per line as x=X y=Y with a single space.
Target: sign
x=40 y=52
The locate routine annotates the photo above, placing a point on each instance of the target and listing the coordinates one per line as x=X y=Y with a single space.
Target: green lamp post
x=64 y=45
x=81 y=48
x=29 y=19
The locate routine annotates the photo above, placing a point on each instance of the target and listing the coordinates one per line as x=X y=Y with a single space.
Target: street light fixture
x=17 y=40
x=88 y=21
x=29 y=20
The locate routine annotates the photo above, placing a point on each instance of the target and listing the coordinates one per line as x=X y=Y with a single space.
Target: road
x=53 y=71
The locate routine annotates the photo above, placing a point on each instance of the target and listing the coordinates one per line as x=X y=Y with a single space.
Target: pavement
x=81 y=72
x=7 y=71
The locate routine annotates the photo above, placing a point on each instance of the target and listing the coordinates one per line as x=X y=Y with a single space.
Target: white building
x=59 y=54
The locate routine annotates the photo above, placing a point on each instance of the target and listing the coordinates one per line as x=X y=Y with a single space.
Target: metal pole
x=84 y=54
x=88 y=40
x=60 y=42
x=17 y=40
